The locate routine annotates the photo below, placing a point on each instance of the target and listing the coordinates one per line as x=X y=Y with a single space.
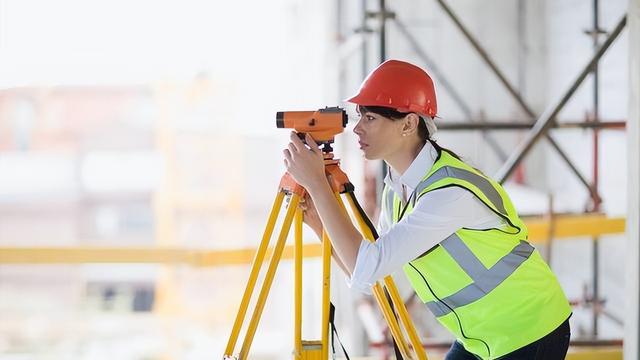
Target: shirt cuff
x=361 y=279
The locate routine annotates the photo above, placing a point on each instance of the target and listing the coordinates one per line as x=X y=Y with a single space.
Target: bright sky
x=263 y=56
x=107 y=42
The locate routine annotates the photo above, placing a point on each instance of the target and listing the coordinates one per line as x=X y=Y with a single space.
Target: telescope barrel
x=323 y=125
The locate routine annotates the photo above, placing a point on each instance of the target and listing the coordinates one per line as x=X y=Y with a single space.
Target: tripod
x=317 y=349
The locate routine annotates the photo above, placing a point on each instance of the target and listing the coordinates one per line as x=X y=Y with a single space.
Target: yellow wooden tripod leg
x=255 y=270
x=390 y=318
x=297 y=256
x=404 y=317
x=394 y=327
x=326 y=278
x=268 y=280
x=393 y=293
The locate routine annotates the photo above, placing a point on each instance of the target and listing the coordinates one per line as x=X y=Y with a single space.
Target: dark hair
x=394 y=114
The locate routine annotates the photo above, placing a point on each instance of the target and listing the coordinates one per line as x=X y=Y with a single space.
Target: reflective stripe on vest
x=449 y=171
x=484 y=280
x=480 y=182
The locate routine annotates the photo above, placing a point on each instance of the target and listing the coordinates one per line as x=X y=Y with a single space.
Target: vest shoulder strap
x=450 y=171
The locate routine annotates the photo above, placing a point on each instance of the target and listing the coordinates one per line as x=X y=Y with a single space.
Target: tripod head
x=323 y=124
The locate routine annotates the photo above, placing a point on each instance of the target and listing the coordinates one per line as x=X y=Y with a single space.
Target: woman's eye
x=370 y=118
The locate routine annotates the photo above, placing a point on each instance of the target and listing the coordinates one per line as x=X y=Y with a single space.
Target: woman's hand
x=305 y=165
x=311 y=217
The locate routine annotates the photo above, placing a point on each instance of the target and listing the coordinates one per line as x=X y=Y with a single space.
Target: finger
x=295 y=140
x=287 y=157
x=302 y=204
x=293 y=151
x=312 y=143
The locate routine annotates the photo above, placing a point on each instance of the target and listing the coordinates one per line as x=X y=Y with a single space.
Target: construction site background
x=146 y=125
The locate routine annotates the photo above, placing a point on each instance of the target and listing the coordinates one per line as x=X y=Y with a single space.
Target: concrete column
x=632 y=320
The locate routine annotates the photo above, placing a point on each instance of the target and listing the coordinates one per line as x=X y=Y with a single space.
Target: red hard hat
x=398 y=85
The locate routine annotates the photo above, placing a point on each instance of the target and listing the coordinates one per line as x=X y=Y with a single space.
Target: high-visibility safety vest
x=489 y=287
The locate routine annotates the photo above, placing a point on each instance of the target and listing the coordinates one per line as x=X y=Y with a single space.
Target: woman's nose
x=358 y=129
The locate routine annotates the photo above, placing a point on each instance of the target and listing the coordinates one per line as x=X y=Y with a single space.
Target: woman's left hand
x=306 y=165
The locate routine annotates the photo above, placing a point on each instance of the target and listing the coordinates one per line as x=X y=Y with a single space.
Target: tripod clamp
x=337 y=178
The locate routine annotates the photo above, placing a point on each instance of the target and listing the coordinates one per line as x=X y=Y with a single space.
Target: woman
x=453 y=231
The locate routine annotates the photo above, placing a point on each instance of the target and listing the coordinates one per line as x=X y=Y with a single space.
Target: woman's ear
x=410 y=124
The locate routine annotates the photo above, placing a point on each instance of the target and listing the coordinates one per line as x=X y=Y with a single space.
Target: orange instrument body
x=323 y=124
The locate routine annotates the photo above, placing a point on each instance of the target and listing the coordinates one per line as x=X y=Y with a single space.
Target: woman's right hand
x=310 y=215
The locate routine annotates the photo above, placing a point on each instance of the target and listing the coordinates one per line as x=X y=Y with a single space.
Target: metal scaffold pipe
x=545 y=120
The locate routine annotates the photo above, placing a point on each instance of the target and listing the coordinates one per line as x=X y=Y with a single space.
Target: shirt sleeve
x=436 y=215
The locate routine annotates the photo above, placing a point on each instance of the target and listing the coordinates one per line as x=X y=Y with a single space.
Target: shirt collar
x=417 y=170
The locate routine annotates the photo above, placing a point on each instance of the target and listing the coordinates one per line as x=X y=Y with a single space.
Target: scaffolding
x=537 y=126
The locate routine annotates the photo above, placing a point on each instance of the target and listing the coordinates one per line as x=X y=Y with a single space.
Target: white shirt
x=436 y=215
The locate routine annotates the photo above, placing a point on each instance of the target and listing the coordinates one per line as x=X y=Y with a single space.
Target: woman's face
x=378 y=136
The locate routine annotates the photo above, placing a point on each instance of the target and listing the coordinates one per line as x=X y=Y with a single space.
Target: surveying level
x=322 y=125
